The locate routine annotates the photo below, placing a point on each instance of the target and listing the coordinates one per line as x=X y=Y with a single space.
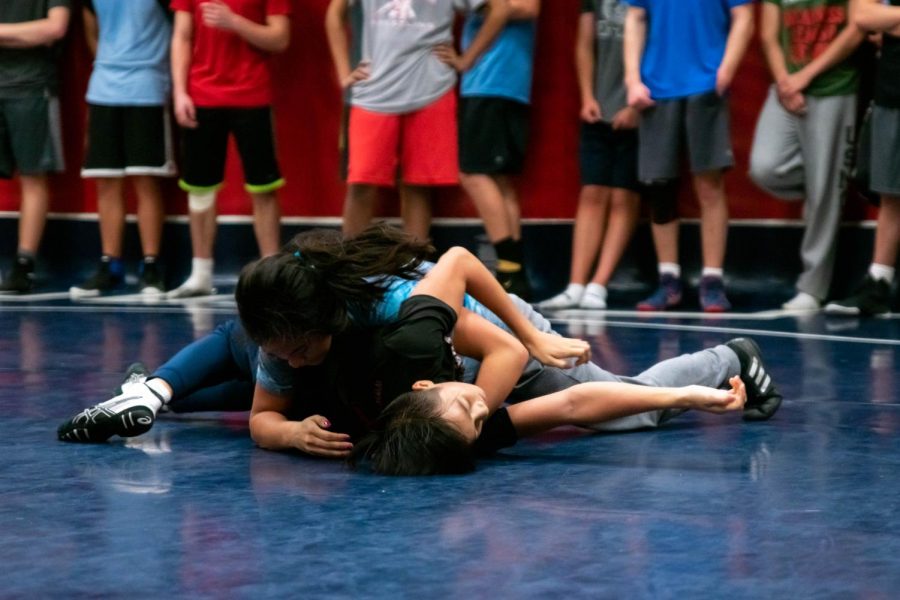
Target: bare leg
x=887 y=234
x=267 y=222
x=111 y=214
x=150 y=213
x=33 y=213
x=710 y=190
x=511 y=206
x=359 y=207
x=488 y=197
x=623 y=216
x=590 y=229
x=415 y=210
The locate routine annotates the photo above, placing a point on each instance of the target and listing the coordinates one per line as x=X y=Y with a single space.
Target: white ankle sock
x=673 y=269
x=877 y=271
x=156 y=384
x=594 y=296
x=574 y=290
x=712 y=272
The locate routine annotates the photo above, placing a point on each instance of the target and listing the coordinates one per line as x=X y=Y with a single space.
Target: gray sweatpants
x=712 y=367
x=810 y=156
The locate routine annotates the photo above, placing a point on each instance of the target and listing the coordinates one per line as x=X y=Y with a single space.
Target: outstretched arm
x=459 y=271
x=271 y=429
x=595 y=402
x=40 y=32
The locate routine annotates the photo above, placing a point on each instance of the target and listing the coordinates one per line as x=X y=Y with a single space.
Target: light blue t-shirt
x=506 y=67
x=132 y=63
x=685 y=45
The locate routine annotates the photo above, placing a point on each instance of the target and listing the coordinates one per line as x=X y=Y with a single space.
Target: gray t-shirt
x=398 y=37
x=609 y=71
x=28 y=71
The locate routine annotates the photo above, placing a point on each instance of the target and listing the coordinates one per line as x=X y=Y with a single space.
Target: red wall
x=307 y=107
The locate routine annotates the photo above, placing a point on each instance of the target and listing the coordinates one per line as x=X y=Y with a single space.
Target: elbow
x=280 y=44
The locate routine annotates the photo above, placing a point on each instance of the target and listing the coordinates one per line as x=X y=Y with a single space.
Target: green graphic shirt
x=808 y=27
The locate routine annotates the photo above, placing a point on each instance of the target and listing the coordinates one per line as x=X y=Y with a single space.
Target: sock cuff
x=878 y=271
x=670 y=268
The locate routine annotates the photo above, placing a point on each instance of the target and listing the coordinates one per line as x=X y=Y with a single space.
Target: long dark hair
x=411 y=438
x=319 y=279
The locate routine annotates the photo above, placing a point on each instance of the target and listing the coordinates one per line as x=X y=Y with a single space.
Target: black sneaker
x=151 y=281
x=872 y=297
x=125 y=415
x=763 y=398
x=104 y=280
x=20 y=279
x=515 y=282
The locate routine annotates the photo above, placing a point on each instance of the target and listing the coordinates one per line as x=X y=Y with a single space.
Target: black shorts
x=493 y=135
x=128 y=140
x=204 y=149
x=608 y=156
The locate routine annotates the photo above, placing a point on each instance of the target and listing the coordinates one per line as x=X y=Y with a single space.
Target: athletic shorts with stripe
x=30 y=136
x=128 y=140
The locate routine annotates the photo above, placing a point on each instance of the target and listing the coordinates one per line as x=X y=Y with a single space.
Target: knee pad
x=663 y=199
x=201 y=201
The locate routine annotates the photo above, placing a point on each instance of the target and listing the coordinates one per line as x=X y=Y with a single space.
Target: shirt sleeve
x=638 y=3
x=469 y=5
x=89 y=4
x=497 y=433
x=274 y=375
x=182 y=5
x=734 y=3
x=60 y=4
x=588 y=6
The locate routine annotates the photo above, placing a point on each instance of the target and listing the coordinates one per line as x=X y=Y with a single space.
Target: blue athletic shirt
x=132 y=63
x=506 y=67
x=685 y=45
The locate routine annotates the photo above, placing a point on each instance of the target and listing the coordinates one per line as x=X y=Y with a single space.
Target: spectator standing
x=609 y=203
x=403 y=101
x=802 y=147
x=129 y=133
x=873 y=296
x=680 y=61
x=30 y=129
x=495 y=98
x=222 y=85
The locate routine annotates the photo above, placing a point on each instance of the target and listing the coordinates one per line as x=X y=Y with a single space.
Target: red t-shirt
x=225 y=69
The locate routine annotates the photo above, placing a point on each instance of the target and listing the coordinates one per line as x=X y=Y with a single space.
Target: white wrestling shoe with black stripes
x=129 y=414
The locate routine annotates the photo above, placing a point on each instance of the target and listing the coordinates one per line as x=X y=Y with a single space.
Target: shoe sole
x=75 y=292
x=837 y=309
x=767 y=408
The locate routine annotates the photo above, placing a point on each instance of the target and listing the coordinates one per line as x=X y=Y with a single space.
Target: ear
x=422 y=384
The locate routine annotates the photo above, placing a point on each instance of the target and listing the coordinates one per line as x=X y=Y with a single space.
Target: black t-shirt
x=28 y=71
x=887 y=77
x=365 y=370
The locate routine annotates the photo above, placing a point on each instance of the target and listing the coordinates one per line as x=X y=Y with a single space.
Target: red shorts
x=423 y=142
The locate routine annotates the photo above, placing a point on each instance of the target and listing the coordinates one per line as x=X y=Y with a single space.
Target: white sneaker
x=594 y=297
x=568 y=298
x=802 y=301
x=190 y=289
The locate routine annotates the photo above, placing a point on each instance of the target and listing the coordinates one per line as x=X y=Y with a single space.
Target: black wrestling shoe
x=763 y=398
x=20 y=279
x=871 y=298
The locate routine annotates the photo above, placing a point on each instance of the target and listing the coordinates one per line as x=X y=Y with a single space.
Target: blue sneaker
x=667 y=295
x=712 y=295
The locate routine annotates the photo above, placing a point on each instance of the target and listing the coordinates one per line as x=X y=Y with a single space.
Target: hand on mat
x=712 y=400
x=554 y=350
x=312 y=436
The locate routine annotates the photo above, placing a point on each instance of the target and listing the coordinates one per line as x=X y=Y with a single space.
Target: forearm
x=633 y=44
x=591 y=403
x=768 y=39
x=40 y=32
x=739 y=36
x=273 y=431
x=272 y=36
x=843 y=46
x=497 y=15
x=499 y=372
x=338 y=44
x=182 y=38
x=584 y=57
x=871 y=15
